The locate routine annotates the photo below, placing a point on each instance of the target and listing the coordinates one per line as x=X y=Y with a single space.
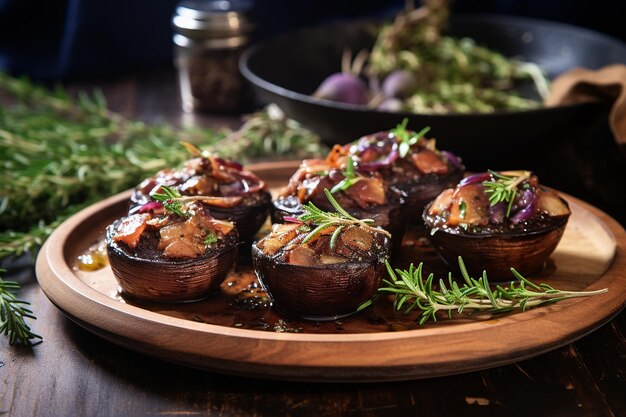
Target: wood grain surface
x=76 y=373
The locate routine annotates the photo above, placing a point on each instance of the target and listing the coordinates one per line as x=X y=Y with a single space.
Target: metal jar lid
x=213 y=18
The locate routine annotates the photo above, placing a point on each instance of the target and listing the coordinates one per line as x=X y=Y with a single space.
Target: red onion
x=229 y=164
x=375 y=141
x=247 y=183
x=528 y=202
x=291 y=219
x=344 y=88
x=497 y=213
x=452 y=159
x=381 y=163
x=475 y=178
x=151 y=206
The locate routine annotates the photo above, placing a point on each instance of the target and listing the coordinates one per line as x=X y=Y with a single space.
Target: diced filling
x=365 y=169
x=398 y=156
x=491 y=202
x=289 y=243
x=226 y=181
x=171 y=235
x=352 y=190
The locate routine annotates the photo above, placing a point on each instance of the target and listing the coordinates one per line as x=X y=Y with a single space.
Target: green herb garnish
x=350 y=179
x=462 y=209
x=412 y=291
x=504 y=188
x=12 y=315
x=323 y=220
x=407 y=138
x=170 y=198
x=210 y=239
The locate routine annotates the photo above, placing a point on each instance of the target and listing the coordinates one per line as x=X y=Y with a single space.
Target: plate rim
x=285 y=355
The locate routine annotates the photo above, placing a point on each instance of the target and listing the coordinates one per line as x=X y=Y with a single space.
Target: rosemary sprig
x=412 y=291
x=504 y=188
x=350 y=179
x=407 y=138
x=12 y=315
x=323 y=220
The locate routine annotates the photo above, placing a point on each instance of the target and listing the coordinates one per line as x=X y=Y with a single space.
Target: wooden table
x=74 y=373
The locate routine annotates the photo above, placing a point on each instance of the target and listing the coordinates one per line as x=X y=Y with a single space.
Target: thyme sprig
x=504 y=187
x=13 y=311
x=412 y=291
x=322 y=220
x=407 y=138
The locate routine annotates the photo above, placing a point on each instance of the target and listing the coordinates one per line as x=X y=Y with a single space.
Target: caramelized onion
x=376 y=165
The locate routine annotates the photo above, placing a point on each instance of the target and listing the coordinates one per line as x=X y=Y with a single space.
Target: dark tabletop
x=75 y=373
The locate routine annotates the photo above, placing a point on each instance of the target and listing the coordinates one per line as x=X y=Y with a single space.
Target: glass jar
x=209 y=37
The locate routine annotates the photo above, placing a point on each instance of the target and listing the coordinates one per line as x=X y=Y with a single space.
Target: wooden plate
x=591 y=256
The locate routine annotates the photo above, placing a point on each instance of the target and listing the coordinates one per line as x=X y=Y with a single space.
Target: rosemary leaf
x=412 y=291
x=13 y=311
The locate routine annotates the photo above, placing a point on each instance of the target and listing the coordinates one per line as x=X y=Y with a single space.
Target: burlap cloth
x=581 y=85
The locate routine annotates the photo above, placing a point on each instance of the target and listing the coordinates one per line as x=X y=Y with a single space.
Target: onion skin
x=343 y=88
x=475 y=178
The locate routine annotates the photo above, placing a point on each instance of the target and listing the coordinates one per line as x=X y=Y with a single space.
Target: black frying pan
x=287 y=69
